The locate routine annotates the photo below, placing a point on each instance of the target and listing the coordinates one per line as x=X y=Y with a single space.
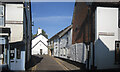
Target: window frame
x=117 y=60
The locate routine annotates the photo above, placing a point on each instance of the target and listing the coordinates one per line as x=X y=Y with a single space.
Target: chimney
x=39 y=31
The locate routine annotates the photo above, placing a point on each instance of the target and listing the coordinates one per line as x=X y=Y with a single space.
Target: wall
x=40 y=45
x=106 y=35
x=56 y=46
x=77 y=53
x=83 y=30
x=18 y=18
x=64 y=43
x=14 y=20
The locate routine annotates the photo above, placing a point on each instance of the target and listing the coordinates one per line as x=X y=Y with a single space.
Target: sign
x=106 y=33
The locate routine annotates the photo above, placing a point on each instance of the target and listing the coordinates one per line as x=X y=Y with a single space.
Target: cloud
x=51 y=18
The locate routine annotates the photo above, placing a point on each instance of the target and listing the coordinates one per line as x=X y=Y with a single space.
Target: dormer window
x=1 y=15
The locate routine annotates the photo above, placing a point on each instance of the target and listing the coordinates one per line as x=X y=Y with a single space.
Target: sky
x=52 y=17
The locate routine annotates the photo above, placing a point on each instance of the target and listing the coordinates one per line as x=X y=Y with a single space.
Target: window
x=61 y=51
x=12 y=54
x=56 y=50
x=64 y=51
x=1 y=15
x=55 y=44
x=117 y=52
x=67 y=40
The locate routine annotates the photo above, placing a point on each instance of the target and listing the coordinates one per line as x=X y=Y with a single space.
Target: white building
x=15 y=33
x=39 y=44
x=59 y=44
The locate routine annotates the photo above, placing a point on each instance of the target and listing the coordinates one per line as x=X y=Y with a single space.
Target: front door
x=15 y=59
x=40 y=51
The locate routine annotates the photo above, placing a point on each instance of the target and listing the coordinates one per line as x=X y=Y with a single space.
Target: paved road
x=50 y=64
x=45 y=63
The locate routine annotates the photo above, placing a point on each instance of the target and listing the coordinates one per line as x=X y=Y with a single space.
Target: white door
x=15 y=60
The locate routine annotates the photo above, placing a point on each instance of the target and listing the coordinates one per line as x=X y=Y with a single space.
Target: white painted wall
x=62 y=45
x=75 y=52
x=39 y=31
x=40 y=45
x=56 y=47
x=107 y=22
x=14 y=12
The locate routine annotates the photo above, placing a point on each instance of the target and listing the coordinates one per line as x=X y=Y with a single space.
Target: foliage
x=33 y=36
x=43 y=33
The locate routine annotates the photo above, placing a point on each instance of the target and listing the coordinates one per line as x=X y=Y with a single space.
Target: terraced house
x=15 y=33
x=96 y=27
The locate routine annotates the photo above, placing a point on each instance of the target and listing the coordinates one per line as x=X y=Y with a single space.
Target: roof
x=39 y=35
x=61 y=33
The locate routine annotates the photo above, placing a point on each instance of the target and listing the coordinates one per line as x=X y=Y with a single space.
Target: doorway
x=4 y=51
x=15 y=59
x=40 y=51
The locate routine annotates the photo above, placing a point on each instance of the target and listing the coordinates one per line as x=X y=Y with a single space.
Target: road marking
x=65 y=68
x=34 y=68
x=63 y=63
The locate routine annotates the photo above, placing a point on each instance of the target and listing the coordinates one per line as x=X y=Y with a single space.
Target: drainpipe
x=93 y=42
x=92 y=39
x=59 y=49
x=87 y=57
x=88 y=46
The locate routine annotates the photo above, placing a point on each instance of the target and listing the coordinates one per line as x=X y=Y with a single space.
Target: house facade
x=60 y=43
x=39 y=44
x=15 y=34
x=51 y=46
x=96 y=27
x=65 y=42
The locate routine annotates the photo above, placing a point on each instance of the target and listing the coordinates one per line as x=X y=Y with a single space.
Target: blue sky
x=52 y=16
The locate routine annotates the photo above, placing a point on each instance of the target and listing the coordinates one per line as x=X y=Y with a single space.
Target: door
x=40 y=51
x=15 y=59
x=4 y=51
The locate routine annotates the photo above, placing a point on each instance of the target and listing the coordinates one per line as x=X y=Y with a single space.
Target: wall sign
x=106 y=33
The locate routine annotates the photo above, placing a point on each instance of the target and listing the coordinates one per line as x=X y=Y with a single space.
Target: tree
x=33 y=36
x=44 y=34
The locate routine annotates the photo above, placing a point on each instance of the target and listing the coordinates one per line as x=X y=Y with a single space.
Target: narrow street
x=50 y=64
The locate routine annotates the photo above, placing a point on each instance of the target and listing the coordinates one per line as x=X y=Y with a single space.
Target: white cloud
x=51 y=18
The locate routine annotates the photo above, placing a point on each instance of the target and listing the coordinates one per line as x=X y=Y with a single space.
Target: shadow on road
x=55 y=71
x=35 y=59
